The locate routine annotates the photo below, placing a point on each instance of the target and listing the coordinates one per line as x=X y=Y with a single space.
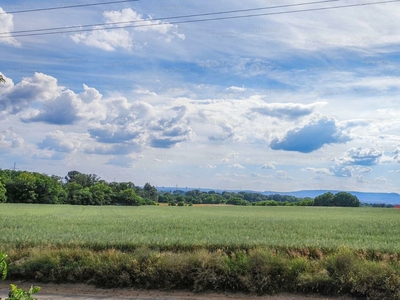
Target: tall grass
x=259 y=250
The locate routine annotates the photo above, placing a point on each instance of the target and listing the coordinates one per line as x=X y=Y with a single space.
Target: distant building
x=397 y=206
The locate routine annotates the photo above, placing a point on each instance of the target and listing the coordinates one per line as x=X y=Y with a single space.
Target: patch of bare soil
x=87 y=292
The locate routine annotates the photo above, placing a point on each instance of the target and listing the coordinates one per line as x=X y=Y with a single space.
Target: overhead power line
x=195 y=20
x=64 y=7
x=171 y=18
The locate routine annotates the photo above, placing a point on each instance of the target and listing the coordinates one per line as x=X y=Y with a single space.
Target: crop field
x=187 y=228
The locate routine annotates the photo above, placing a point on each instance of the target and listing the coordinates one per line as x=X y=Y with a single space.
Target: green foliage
x=16 y=293
x=27 y=187
x=324 y=199
x=19 y=294
x=258 y=270
x=3 y=197
x=85 y=180
x=343 y=199
x=129 y=197
x=3 y=265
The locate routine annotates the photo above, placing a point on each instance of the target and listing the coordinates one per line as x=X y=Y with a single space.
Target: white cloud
x=320 y=171
x=236 y=89
x=381 y=179
x=109 y=39
x=6 y=27
x=236 y=166
x=15 y=98
x=268 y=167
x=363 y=156
x=342 y=171
x=288 y=111
x=283 y=176
x=59 y=141
x=312 y=136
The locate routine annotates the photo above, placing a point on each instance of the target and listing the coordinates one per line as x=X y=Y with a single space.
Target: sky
x=288 y=101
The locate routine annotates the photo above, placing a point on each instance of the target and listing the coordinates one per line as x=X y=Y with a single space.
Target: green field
x=258 y=250
x=200 y=227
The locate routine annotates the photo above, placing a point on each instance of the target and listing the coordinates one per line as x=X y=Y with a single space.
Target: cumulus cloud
x=283 y=176
x=381 y=179
x=364 y=170
x=58 y=141
x=66 y=107
x=320 y=171
x=54 y=104
x=122 y=161
x=236 y=89
x=109 y=40
x=15 y=98
x=140 y=123
x=256 y=175
x=211 y=166
x=311 y=137
x=236 y=166
x=267 y=167
x=360 y=179
x=288 y=111
x=342 y=171
x=363 y=156
x=6 y=27
x=113 y=149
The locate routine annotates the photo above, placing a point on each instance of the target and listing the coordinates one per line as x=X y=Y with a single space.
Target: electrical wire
x=64 y=7
x=172 y=18
x=204 y=20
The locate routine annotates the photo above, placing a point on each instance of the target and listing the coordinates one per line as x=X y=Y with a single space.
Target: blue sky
x=283 y=102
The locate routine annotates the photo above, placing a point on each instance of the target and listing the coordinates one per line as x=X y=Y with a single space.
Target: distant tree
x=3 y=197
x=324 y=199
x=22 y=189
x=73 y=190
x=102 y=194
x=129 y=197
x=150 y=192
x=345 y=199
x=85 y=180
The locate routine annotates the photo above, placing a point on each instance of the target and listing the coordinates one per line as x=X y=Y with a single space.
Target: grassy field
x=258 y=250
x=187 y=228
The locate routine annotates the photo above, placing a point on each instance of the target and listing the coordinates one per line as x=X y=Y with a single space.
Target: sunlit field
x=175 y=228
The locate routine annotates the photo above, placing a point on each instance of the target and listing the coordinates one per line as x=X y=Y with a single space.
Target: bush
x=16 y=293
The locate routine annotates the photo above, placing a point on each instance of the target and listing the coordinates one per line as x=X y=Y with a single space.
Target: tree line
x=88 y=189
x=75 y=188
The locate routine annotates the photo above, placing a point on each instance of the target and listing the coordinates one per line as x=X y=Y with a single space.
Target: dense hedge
x=257 y=271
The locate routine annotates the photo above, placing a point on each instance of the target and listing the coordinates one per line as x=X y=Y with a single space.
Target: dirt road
x=85 y=292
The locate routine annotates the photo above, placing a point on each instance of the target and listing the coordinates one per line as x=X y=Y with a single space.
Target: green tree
x=85 y=180
x=129 y=197
x=3 y=191
x=102 y=194
x=150 y=192
x=325 y=199
x=345 y=199
x=22 y=189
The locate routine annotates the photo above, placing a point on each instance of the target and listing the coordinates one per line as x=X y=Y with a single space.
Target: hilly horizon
x=364 y=197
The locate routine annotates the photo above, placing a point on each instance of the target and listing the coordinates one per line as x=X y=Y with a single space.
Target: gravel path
x=85 y=292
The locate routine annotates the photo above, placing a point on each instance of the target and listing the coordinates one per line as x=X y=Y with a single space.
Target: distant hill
x=364 y=197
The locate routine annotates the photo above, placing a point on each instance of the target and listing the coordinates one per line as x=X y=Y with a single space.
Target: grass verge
x=257 y=271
